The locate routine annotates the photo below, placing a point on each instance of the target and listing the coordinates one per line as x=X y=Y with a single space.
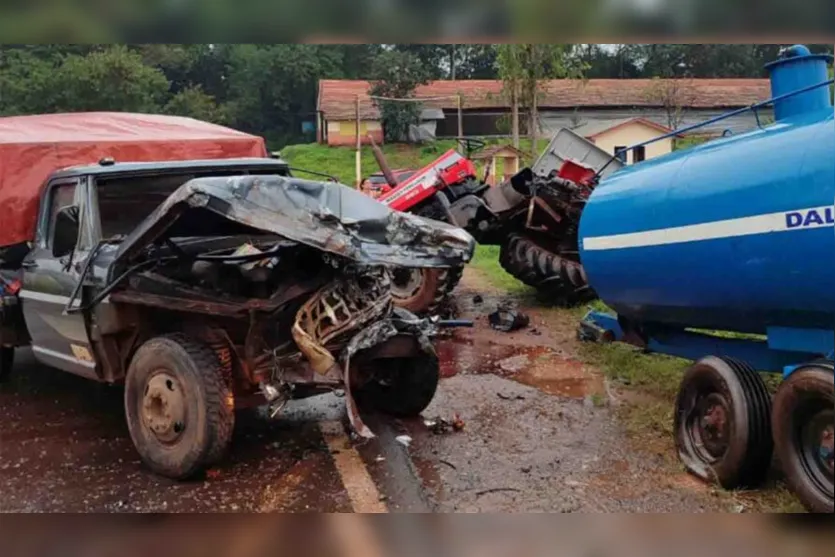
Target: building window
x=639 y=154
x=620 y=152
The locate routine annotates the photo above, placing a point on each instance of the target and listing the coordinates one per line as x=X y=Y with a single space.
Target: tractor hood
x=324 y=215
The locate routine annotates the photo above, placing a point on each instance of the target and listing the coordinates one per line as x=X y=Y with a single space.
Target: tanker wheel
x=559 y=280
x=401 y=387
x=423 y=291
x=179 y=407
x=6 y=362
x=803 y=434
x=723 y=423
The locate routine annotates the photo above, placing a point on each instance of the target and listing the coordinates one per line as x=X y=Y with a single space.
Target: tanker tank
x=735 y=234
x=738 y=235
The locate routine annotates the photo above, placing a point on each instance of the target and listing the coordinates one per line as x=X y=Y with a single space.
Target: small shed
x=509 y=157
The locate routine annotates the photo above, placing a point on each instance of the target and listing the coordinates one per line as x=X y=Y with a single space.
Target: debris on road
x=508 y=319
x=404 y=440
x=477 y=299
x=440 y=426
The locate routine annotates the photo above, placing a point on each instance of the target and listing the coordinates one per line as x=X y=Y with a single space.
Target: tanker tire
x=203 y=394
x=558 y=280
x=400 y=387
x=6 y=362
x=434 y=287
x=744 y=412
x=807 y=392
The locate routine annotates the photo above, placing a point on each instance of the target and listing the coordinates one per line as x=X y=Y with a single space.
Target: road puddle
x=537 y=366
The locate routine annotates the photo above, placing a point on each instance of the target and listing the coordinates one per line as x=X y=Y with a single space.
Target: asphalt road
x=534 y=439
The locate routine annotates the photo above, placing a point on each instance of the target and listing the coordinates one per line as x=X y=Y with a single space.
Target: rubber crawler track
x=559 y=280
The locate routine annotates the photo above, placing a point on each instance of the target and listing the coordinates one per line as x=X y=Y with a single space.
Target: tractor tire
x=179 y=407
x=803 y=432
x=6 y=362
x=423 y=291
x=558 y=280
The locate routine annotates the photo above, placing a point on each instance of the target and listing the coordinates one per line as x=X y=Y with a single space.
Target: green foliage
x=111 y=80
x=396 y=75
x=194 y=103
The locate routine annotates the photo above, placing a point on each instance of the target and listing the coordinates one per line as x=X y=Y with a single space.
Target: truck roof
x=34 y=147
x=166 y=166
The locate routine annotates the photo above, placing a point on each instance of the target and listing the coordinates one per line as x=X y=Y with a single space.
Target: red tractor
x=533 y=217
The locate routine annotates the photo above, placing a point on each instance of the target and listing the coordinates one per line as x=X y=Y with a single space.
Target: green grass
x=340 y=162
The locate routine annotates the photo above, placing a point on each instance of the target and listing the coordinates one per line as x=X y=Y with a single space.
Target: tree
x=523 y=68
x=674 y=96
x=396 y=75
x=195 y=103
x=115 y=79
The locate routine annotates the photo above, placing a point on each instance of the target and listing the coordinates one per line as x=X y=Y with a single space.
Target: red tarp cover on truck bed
x=33 y=147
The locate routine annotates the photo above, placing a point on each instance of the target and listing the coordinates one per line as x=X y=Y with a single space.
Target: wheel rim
x=163 y=407
x=816 y=447
x=405 y=283
x=708 y=426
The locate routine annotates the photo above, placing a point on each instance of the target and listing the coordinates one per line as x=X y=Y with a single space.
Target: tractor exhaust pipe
x=382 y=163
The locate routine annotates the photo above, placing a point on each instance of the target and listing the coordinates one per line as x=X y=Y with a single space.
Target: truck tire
x=423 y=291
x=559 y=280
x=722 y=423
x=179 y=407
x=803 y=429
x=6 y=362
x=400 y=387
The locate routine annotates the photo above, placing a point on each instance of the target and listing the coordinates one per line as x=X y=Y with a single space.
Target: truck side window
x=124 y=202
x=60 y=196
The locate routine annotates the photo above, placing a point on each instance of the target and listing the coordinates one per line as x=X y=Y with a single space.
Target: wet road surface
x=534 y=439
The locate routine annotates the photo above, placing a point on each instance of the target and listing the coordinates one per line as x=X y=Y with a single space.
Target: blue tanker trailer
x=738 y=235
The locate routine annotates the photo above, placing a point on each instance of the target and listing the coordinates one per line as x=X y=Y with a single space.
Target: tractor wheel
x=179 y=407
x=6 y=362
x=723 y=423
x=401 y=387
x=422 y=291
x=803 y=434
x=558 y=280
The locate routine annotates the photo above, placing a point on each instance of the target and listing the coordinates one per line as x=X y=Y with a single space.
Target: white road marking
x=364 y=496
x=730 y=228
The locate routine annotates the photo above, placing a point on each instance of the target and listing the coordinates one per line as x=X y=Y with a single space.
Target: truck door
x=50 y=274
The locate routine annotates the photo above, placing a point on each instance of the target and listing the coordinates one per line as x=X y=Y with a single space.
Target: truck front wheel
x=401 y=387
x=180 y=410
x=6 y=362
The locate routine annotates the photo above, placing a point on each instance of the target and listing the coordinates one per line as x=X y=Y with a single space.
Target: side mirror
x=65 y=231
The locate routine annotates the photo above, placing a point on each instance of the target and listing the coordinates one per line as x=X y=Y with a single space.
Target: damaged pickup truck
x=208 y=285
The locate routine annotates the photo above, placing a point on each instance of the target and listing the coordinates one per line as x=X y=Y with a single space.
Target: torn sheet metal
x=324 y=215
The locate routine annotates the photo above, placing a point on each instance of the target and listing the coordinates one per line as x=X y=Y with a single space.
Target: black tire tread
x=809 y=496
x=219 y=413
x=559 y=280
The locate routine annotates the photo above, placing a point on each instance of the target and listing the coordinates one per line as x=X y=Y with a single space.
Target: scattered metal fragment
x=507 y=319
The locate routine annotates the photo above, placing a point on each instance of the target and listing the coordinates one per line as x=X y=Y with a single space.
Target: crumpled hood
x=324 y=215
